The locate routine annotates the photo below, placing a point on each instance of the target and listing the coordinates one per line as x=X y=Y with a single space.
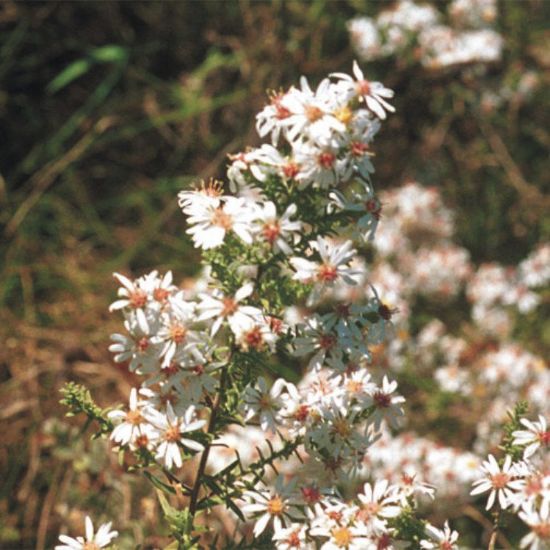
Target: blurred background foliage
x=108 y=109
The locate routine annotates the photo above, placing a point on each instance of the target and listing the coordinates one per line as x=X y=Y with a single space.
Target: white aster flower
x=440 y=539
x=293 y=537
x=132 y=425
x=220 y=308
x=332 y=268
x=374 y=94
x=275 y=503
x=277 y=231
x=500 y=482
x=93 y=541
x=388 y=406
x=539 y=524
x=265 y=403
x=170 y=428
x=210 y=222
x=537 y=435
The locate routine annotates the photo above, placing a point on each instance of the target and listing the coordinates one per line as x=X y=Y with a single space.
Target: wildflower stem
x=204 y=457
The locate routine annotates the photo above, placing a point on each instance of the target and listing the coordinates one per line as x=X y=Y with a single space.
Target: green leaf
x=159 y=484
x=67 y=75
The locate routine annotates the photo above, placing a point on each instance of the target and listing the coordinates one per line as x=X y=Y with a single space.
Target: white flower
x=316 y=336
x=337 y=523
x=539 y=523
x=170 y=428
x=101 y=539
x=277 y=231
x=131 y=425
x=256 y=334
x=275 y=503
x=378 y=503
x=293 y=537
x=227 y=308
x=330 y=270
x=536 y=435
x=310 y=113
x=499 y=481
x=444 y=539
x=266 y=403
x=372 y=93
x=388 y=407
x=210 y=222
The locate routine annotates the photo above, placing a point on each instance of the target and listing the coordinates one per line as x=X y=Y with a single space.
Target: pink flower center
x=542 y=531
x=178 y=333
x=229 y=306
x=291 y=170
x=500 y=480
x=311 y=494
x=313 y=113
x=134 y=418
x=327 y=273
x=221 y=219
x=271 y=231
x=172 y=434
x=544 y=437
x=326 y=160
x=294 y=539
x=254 y=338
x=142 y=344
x=160 y=295
x=363 y=87
x=301 y=413
x=137 y=299
x=358 y=148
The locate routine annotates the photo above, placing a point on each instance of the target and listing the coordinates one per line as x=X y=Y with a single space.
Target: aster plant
x=257 y=400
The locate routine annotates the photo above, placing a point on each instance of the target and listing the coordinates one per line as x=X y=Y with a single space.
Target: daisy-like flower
x=374 y=94
x=539 y=524
x=138 y=348
x=275 y=503
x=170 y=428
x=499 y=481
x=131 y=425
x=331 y=269
x=175 y=335
x=270 y=120
x=93 y=541
x=220 y=308
x=131 y=295
x=293 y=537
x=193 y=201
x=317 y=337
x=537 y=435
x=440 y=539
x=410 y=485
x=321 y=166
x=256 y=334
x=276 y=231
x=266 y=403
x=337 y=523
x=310 y=113
x=210 y=222
x=378 y=503
x=388 y=407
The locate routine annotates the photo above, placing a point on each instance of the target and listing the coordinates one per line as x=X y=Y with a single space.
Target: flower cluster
x=273 y=368
x=417 y=29
x=522 y=485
